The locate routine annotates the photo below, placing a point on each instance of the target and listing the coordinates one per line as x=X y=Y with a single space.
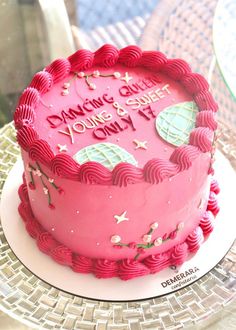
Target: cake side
x=95 y=220
x=125 y=268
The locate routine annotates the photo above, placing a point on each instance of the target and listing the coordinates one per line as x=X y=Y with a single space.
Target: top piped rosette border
x=155 y=170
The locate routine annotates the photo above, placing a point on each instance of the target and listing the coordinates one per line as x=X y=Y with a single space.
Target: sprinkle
x=72 y=231
x=92 y=86
x=51 y=180
x=97 y=244
x=165 y=236
x=51 y=206
x=96 y=74
x=147 y=238
x=121 y=218
x=80 y=74
x=65 y=92
x=31 y=186
x=173 y=234
x=201 y=203
x=158 y=241
x=141 y=250
x=45 y=190
x=140 y=144
x=154 y=225
x=110 y=196
x=132 y=245
x=37 y=172
x=115 y=239
x=126 y=78
x=50 y=106
x=180 y=226
x=117 y=75
x=53 y=229
x=66 y=85
x=62 y=147
x=77 y=212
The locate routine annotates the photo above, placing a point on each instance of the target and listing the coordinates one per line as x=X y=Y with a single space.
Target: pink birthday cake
x=118 y=148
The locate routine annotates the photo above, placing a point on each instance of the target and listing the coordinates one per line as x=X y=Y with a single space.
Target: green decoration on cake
x=175 y=123
x=107 y=154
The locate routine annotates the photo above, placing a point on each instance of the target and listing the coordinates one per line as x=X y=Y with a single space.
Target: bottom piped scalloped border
x=125 y=269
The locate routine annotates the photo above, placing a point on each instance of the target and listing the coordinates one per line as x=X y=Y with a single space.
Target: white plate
x=63 y=278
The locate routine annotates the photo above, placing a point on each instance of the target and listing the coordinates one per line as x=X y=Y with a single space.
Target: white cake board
x=83 y=285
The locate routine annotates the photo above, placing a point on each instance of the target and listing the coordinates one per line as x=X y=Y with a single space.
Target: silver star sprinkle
x=62 y=147
x=126 y=78
x=140 y=144
x=121 y=218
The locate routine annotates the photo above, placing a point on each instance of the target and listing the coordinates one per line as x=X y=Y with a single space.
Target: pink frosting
x=130 y=56
x=202 y=137
x=42 y=81
x=64 y=165
x=40 y=150
x=26 y=136
x=157 y=262
x=156 y=170
x=177 y=68
x=23 y=211
x=104 y=268
x=24 y=115
x=179 y=254
x=30 y=97
x=94 y=173
x=195 y=239
x=46 y=242
x=62 y=255
x=81 y=60
x=81 y=264
x=22 y=191
x=153 y=60
x=206 y=223
x=206 y=119
x=58 y=69
x=195 y=83
x=33 y=228
x=213 y=204
x=205 y=101
x=125 y=173
x=129 y=269
x=215 y=186
x=106 y=56
x=98 y=187
x=184 y=156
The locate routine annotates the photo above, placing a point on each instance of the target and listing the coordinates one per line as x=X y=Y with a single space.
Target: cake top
x=116 y=116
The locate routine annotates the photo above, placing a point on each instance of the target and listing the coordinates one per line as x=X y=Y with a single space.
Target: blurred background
x=35 y=32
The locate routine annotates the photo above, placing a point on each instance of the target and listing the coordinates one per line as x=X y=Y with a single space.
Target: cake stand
x=39 y=305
